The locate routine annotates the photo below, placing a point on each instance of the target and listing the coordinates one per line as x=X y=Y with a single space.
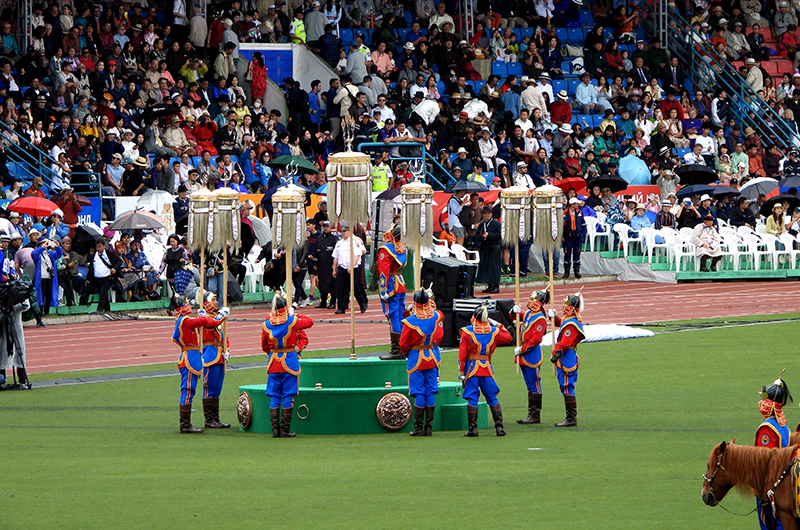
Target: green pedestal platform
x=347 y=400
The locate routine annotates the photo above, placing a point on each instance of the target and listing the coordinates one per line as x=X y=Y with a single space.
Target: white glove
x=494 y=323
x=224 y=312
x=516 y=309
x=291 y=310
x=226 y=355
x=202 y=313
x=518 y=351
x=551 y=313
x=460 y=376
x=385 y=297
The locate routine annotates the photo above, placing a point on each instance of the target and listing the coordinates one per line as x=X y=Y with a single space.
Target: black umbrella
x=766 y=208
x=725 y=190
x=159 y=110
x=696 y=174
x=613 y=182
x=470 y=186
x=86 y=235
x=388 y=195
x=697 y=189
x=790 y=182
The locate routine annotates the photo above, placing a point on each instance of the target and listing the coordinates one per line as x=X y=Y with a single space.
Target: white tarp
x=603 y=332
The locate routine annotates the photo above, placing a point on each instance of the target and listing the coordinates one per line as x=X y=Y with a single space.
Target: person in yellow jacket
x=297 y=29
x=381 y=173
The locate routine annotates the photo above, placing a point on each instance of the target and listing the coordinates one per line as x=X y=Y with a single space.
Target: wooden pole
x=516 y=282
x=225 y=298
x=352 y=298
x=417 y=266
x=202 y=290
x=552 y=305
x=288 y=259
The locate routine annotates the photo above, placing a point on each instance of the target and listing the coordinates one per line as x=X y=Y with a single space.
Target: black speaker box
x=451 y=279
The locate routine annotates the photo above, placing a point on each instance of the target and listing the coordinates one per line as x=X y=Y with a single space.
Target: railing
x=709 y=72
x=38 y=163
x=429 y=161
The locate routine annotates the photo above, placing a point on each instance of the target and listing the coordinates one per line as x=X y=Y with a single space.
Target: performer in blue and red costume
x=283 y=338
x=215 y=354
x=419 y=341
x=774 y=433
x=187 y=336
x=391 y=260
x=478 y=342
x=565 y=356
x=529 y=354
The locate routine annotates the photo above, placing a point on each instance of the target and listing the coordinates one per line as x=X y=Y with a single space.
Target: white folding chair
x=625 y=238
x=462 y=254
x=790 y=242
x=758 y=249
x=682 y=248
x=771 y=242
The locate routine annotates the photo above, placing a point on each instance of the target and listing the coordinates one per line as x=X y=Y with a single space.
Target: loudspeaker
x=451 y=279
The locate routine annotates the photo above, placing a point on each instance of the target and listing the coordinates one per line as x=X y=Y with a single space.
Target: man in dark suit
x=673 y=76
x=488 y=235
x=640 y=73
x=104 y=266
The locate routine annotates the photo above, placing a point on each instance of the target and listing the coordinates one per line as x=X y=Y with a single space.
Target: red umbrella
x=82 y=200
x=32 y=205
x=574 y=183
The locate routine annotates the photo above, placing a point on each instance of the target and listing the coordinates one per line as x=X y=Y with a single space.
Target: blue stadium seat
x=559 y=85
x=575 y=35
x=514 y=69
x=441 y=88
x=608 y=34
x=562 y=34
x=409 y=16
x=572 y=84
x=346 y=35
x=566 y=67
x=586 y=17
x=476 y=85
x=584 y=120
x=597 y=119
x=234 y=159
x=402 y=32
x=518 y=33
x=196 y=160
x=683 y=151
x=527 y=32
x=13 y=170
x=499 y=68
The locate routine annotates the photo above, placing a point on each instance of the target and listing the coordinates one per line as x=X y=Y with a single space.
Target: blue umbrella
x=322 y=190
x=634 y=171
x=789 y=183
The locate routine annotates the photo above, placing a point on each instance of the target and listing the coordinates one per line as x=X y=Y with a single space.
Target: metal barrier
x=428 y=160
x=710 y=72
x=37 y=163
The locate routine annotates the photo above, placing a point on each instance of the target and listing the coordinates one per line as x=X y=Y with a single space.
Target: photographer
x=69 y=267
x=44 y=260
x=104 y=268
x=687 y=214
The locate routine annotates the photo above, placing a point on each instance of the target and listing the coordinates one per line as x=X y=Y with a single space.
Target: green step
x=768 y=274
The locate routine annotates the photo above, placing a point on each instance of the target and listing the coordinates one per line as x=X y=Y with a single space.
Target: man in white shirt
x=532 y=98
x=523 y=121
x=545 y=87
x=706 y=141
x=341 y=271
x=426 y=109
x=103 y=268
x=386 y=112
x=521 y=177
x=441 y=17
x=695 y=156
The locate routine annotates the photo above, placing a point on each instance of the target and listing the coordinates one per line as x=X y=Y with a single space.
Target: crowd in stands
x=149 y=98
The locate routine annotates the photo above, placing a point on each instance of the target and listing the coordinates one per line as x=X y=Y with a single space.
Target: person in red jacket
x=529 y=354
x=670 y=103
x=565 y=356
x=773 y=433
x=186 y=334
x=215 y=356
x=478 y=342
x=560 y=109
x=283 y=338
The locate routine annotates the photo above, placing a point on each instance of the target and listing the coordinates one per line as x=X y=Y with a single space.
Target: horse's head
x=715 y=484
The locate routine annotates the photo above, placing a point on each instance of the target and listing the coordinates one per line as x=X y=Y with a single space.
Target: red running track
x=91 y=345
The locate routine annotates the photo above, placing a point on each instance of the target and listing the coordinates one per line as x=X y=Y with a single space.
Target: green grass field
x=109 y=455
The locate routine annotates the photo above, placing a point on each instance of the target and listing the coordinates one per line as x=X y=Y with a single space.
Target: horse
x=745 y=467
x=794 y=438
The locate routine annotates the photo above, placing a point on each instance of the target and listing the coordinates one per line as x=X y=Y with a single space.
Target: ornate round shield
x=393 y=411
x=244 y=410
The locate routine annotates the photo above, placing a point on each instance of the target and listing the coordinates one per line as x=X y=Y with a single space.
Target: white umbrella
x=155 y=201
x=261 y=229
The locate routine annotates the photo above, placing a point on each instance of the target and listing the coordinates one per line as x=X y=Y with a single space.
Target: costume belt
x=478 y=357
x=192 y=347
x=282 y=350
x=422 y=347
x=217 y=343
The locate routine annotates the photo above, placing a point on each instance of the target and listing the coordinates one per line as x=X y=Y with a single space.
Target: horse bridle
x=711 y=487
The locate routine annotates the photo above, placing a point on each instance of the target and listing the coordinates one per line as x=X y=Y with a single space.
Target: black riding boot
x=497 y=416
x=275 y=419
x=215 y=408
x=286 y=423
x=566 y=271
x=395 y=353
x=186 y=420
x=578 y=271
x=472 y=421
x=571 y=407
x=429 y=420
x=534 y=408
x=419 y=419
